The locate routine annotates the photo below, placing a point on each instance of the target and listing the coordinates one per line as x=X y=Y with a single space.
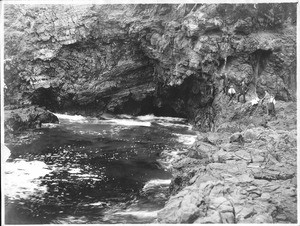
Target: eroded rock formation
x=244 y=173
x=18 y=119
x=138 y=59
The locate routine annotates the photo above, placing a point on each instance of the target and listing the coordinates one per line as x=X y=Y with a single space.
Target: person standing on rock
x=270 y=103
x=231 y=92
x=225 y=83
x=271 y=106
x=243 y=92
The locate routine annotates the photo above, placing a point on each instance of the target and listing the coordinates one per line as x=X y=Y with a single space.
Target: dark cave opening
x=196 y=92
x=259 y=60
x=45 y=97
x=184 y=101
x=172 y=101
x=149 y=105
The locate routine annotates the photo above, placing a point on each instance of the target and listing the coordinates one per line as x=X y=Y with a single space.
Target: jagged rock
x=250 y=135
x=236 y=137
x=114 y=58
x=254 y=182
x=27 y=117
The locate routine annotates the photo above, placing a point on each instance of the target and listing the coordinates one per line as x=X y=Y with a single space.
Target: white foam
x=146 y=117
x=160 y=118
x=139 y=214
x=74 y=171
x=175 y=125
x=125 y=116
x=87 y=176
x=156 y=183
x=50 y=125
x=96 y=204
x=165 y=121
x=186 y=139
x=128 y=122
x=71 y=118
x=20 y=178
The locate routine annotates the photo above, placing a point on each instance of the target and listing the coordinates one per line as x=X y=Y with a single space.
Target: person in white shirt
x=231 y=92
x=271 y=106
x=270 y=103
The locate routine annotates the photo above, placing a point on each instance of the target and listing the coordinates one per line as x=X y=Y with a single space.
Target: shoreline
x=245 y=176
x=237 y=177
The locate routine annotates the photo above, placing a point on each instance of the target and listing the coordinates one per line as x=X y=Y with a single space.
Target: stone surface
x=253 y=182
x=18 y=119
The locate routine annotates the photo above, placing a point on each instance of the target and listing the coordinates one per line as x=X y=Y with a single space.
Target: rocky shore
x=20 y=122
x=244 y=172
x=170 y=60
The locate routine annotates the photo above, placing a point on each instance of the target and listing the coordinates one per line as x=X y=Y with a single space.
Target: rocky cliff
x=165 y=59
x=169 y=60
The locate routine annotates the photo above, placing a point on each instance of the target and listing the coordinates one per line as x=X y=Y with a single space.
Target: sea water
x=87 y=170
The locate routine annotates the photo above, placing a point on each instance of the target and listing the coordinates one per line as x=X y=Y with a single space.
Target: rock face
x=18 y=119
x=254 y=181
x=138 y=59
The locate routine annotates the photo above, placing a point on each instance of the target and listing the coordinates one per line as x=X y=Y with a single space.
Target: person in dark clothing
x=243 y=92
x=225 y=83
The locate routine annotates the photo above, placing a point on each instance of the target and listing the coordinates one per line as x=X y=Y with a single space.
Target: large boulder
x=18 y=119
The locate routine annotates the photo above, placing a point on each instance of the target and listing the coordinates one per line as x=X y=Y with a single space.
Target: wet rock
x=26 y=118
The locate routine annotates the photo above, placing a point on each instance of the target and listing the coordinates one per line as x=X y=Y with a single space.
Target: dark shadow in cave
x=45 y=97
x=184 y=100
x=259 y=62
x=149 y=105
x=167 y=111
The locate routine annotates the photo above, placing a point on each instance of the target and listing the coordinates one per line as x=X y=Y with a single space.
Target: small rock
x=265 y=196
x=246 y=213
x=250 y=135
x=236 y=137
x=262 y=218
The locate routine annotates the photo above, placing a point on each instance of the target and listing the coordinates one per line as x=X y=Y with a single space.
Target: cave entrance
x=259 y=61
x=185 y=100
x=45 y=97
x=149 y=105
